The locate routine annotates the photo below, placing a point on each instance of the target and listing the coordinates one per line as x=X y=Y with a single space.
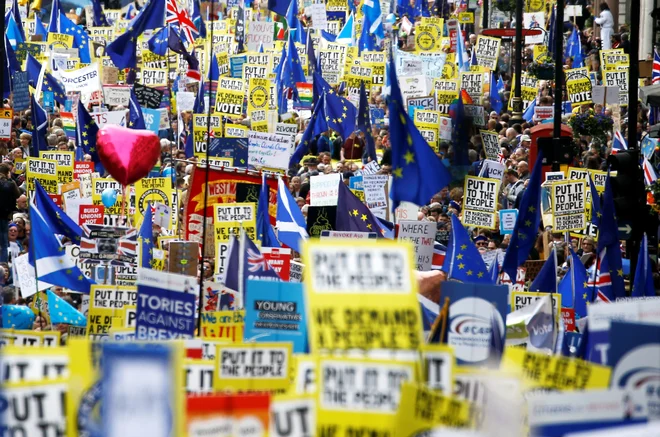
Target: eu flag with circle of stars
x=49 y=83
x=80 y=37
x=146 y=238
x=364 y=123
x=62 y=312
x=86 y=130
x=418 y=171
x=315 y=126
x=608 y=239
x=527 y=225
x=463 y=262
x=135 y=116
x=58 y=221
x=353 y=215
x=122 y=50
x=574 y=287
x=340 y=114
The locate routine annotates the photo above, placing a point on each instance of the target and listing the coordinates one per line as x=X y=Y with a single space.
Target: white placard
x=422 y=235
x=24 y=272
x=269 y=150
x=324 y=190
x=86 y=79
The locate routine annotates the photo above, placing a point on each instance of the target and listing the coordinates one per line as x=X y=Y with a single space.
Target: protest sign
x=90 y=215
x=154 y=190
x=22 y=364
x=116 y=95
x=508 y=218
x=491 y=144
x=252 y=366
x=480 y=202
x=25 y=275
x=521 y=299
x=375 y=193
x=198 y=376
x=279 y=259
x=229 y=219
x=223 y=325
x=105 y=301
x=154 y=77
x=292 y=415
x=296 y=272
x=528 y=89
x=112 y=117
x=435 y=412
x=47 y=412
x=438 y=362
x=275 y=312
x=64 y=164
x=324 y=190
x=339 y=284
x=21 y=94
x=473 y=84
x=422 y=236
x=618 y=79
x=269 y=150
x=86 y=79
x=260 y=34
x=43 y=170
x=569 y=205
x=348 y=388
x=579 y=86
x=446 y=92
x=148 y=97
x=487 y=51
x=81 y=168
x=229 y=97
x=165 y=306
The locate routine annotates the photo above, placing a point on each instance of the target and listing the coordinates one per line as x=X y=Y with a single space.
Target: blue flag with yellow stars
x=527 y=225
x=58 y=221
x=86 y=130
x=17 y=317
x=39 y=128
x=135 y=116
x=61 y=312
x=340 y=114
x=574 y=287
x=418 y=171
x=546 y=280
x=49 y=83
x=364 y=123
x=463 y=262
x=353 y=215
x=146 y=238
x=80 y=37
x=315 y=126
x=595 y=203
x=608 y=239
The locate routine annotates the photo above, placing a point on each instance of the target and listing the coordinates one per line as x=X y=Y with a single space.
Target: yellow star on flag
x=398 y=172
x=409 y=157
x=364 y=217
x=461 y=266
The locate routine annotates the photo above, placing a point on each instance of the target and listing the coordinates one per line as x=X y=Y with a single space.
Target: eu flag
x=495 y=100
x=364 y=122
x=608 y=240
x=315 y=126
x=265 y=232
x=197 y=19
x=39 y=128
x=56 y=219
x=340 y=114
x=295 y=26
x=146 y=238
x=86 y=130
x=62 y=311
x=546 y=280
x=574 y=287
x=98 y=14
x=527 y=224
x=574 y=49
x=595 y=203
x=418 y=171
x=135 y=116
x=643 y=285
x=17 y=18
x=48 y=83
x=353 y=215
x=122 y=50
x=80 y=37
x=463 y=261
x=366 y=40
x=459 y=132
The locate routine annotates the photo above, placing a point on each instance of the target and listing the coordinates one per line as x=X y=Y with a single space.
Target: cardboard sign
x=422 y=236
x=579 y=86
x=324 y=190
x=252 y=366
x=269 y=150
x=491 y=144
x=480 y=202
x=438 y=361
x=91 y=214
x=341 y=282
x=487 y=51
x=223 y=325
x=228 y=220
x=568 y=205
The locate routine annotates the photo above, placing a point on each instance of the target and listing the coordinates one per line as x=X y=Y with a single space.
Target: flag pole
x=206 y=182
x=36 y=275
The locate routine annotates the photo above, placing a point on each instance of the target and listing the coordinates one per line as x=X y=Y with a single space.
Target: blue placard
x=236 y=148
x=377 y=117
x=151 y=119
x=163 y=314
x=355 y=183
x=21 y=92
x=49 y=100
x=236 y=65
x=472 y=310
x=634 y=356
x=648 y=146
x=508 y=218
x=275 y=311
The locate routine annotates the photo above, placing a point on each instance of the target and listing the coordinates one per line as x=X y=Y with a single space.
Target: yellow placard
x=578 y=86
x=101 y=184
x=64 y=164
x=105 y=303
x=223 y=325
x=60 y=40
x=153 y=76
x=569 y=207
x=343 y=280
x=200 y=138
x=34 y=363
x=257 y=103
x=487 y=51
x=438 y=363
x=521 y=299
x=252 y=367
x=43 y=170
x=29 y=338
x=427 y=38
x=446 y=91
x=356 y=397
x=541 y=371
x=152 y=190
x=229 y=97
x=466 y=17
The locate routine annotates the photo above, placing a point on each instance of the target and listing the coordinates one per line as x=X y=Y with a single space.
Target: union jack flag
x=439 y=253
x=181 y=18
x=603 y=279
x=655 y=74
x=256 y=261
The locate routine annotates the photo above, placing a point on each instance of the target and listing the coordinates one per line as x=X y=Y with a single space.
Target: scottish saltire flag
x=122 y=50
x=146 y=238
x=461 y=56
x=574 y=287
x=291 y=227
x=13 y=33
x=546 y=280
x=347 y=33
x=650 y=174
x=265 y=232
x=56 y=219
x=366 y=41
x=619 y=143
x=52 y=263
x=39 y=128
x=608 y=242
x=17 y=317
x=643 y=284
x=135 y=116
x=418 y=172
x=353 y=215
x=61 y=312
x=655 y=74
x=245 y=261
x=373 y=16
x=527 y=224
x=463 y=261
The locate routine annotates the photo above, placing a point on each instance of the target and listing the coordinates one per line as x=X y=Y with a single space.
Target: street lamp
x=516 y=102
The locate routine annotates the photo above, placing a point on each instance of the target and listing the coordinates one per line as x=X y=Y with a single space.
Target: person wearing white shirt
x=606 y=22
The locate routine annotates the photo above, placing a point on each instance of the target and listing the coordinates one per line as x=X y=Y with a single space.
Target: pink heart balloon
x=127 y=154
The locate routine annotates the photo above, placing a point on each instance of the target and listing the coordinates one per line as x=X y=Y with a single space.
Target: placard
x=86 y=79
x=473 y=84
x=269 y=150
x=43 y=170
x=422 y=236
x=491 y=144
x=579 y=86
x=480 y=202
x=228 y=220
x=252 y=366
x=324 y=190
x=569 y=205
x=487 y=51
